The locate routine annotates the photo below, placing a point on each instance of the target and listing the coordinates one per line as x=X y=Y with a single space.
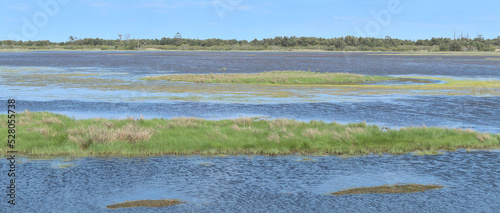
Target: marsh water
x=108 y=84
x=260 y=184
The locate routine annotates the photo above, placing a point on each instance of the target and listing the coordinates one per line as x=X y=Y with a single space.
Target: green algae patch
x=145 y=203
x=388 y=189
x=294 y=89
x=274 y=77
x=43 y=134
x=64 y=166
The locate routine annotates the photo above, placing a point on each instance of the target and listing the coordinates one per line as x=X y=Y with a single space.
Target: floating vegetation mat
x=145 y=203
x=398 y=188
x=278 y=86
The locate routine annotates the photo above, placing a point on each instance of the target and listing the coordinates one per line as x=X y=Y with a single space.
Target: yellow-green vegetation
x=167 y=90
x=45 y=134
x=64 y=166
x=273 y=77
x=398 y=188
x=145 y=203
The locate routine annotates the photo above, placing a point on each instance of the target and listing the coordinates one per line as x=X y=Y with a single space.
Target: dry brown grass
x=109 y=124
x=24 y=119
x=283 y=123
x=482 y=137
x=45 y=131
x=312 y=133
x=243 y=121
x=253 y=130
x=235 y=127
x=184 y=122
x=132 y=133
x=346 y=136
x=288 y=135
x=84 y=136
x=51 y=120
x=275 y=137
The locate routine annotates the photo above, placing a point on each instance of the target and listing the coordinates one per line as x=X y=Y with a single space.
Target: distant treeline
x=347 y=43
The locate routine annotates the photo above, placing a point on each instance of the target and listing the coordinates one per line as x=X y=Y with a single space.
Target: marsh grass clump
x=306 y=159
x=274 y=77
x=131 y=132
x=184 y=122
x=398 y=188
x=64 y=166
x=145 y=203
x=192 y=136
x=275 y=137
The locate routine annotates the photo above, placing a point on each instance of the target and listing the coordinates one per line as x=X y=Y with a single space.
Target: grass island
x=43 y=134
x=274 y=77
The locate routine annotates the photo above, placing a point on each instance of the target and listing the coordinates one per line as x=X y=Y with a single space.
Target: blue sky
x=246 y=19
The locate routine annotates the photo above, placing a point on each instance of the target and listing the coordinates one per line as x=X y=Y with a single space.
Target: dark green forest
x=347 y=43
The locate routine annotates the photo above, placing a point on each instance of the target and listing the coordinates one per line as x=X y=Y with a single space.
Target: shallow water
x=105 y=84
x=249 y=62
x=79 y=84
x=260 y=184
x=479 y=113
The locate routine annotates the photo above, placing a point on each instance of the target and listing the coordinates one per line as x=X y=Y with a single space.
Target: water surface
x=260 y=184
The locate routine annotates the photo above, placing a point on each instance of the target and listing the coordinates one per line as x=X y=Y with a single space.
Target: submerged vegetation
x=274 y=77
x=398 y=188
x=145 y=203
x=46 y=134
x=50 y=79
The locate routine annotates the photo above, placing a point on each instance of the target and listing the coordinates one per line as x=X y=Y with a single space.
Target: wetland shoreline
x=458 y=53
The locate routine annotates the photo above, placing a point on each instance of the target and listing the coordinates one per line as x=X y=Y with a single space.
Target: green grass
x=398 y=188
x=45 y=134
x=273 y=77
x=145 y=203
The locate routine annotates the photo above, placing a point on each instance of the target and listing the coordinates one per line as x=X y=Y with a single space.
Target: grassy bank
x=274 y=77
x=398 y=188
x=46 y=134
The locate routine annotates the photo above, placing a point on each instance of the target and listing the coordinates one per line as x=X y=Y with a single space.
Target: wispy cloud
x=20 y=7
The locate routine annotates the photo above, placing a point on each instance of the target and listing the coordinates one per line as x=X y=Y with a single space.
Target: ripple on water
x=257 y=183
